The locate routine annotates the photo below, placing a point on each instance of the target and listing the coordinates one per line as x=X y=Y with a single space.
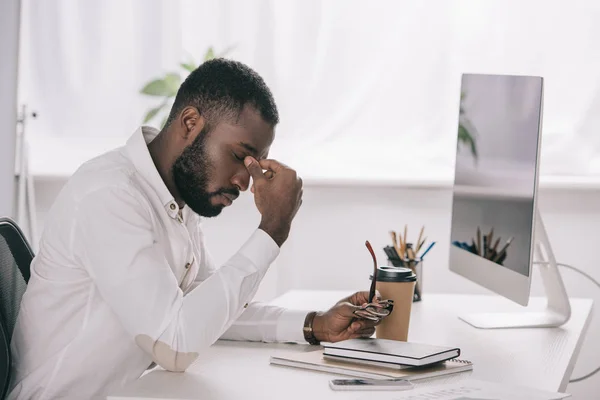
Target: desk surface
x=539 y=358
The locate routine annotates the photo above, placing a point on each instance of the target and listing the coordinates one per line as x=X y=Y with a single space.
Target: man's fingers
x=272 y=165
x=363 y=324
x=368 y=332
x=254 y=169
x=356 y=332
x=355 y=327
x=347 y=309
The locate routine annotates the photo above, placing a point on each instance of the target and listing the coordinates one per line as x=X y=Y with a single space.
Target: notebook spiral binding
x=461 y=361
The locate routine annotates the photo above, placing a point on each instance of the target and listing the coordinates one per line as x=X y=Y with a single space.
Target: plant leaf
x=157 y=87
x=152 y=112
x=210 y=54
x=188 y=66
x=167 y=86
x=172 y=82
x=465 y=136
x=474 y=148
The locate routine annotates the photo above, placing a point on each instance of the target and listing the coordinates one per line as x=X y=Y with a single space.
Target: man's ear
x=192 y=122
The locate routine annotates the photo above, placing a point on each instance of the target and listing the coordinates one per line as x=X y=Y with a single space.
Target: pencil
x=400 y=245
x=479 y=249
x=395 y=243
x=410 y=252
x=496 y=244
x=485 y=246
x=501 y=253
x=405 y=238
x=421 y=243
x=493 y=252
x=427 y=250
x=420 y=236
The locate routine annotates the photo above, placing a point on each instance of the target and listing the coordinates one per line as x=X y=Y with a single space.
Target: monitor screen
x=496 y=168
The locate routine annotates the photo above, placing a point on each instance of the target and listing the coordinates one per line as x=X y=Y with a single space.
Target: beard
x=192 y=173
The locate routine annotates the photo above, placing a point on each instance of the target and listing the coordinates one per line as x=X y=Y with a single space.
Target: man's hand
x=340 y=322
x=277 y=194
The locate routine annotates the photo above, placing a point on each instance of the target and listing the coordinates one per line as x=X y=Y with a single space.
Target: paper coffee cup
x=397 y=284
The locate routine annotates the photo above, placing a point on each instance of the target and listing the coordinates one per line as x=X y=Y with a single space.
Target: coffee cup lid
x=394 y=274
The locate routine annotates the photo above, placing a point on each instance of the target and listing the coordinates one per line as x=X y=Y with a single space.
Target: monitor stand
x=558 y=307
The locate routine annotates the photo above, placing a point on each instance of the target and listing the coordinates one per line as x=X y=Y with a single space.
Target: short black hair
x=220 y=88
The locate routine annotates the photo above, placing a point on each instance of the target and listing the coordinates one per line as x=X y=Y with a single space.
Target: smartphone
x=370 y=384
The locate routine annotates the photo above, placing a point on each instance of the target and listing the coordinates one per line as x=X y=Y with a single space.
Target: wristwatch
x=309 y=335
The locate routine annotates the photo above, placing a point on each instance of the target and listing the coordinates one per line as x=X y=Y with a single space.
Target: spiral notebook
x=314 y=360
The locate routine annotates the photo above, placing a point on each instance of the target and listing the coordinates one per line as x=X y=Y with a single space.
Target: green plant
x=167 y=86
x=464 y=134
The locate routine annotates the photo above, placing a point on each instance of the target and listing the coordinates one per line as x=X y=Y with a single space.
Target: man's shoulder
x=108 y=172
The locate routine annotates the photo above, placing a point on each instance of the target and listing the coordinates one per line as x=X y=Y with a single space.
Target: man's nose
x=241 y=180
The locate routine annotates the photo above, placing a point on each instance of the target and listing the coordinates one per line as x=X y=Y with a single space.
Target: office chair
x=15 y=259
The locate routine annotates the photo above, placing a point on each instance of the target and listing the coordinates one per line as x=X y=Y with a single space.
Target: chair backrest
x=15 y=260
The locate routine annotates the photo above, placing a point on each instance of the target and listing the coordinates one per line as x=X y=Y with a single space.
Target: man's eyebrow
x=249 y=148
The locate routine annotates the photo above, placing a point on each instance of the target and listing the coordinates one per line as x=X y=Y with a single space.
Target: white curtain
x=365 y=89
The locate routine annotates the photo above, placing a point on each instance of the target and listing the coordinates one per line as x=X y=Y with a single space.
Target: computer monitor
x=496 y=228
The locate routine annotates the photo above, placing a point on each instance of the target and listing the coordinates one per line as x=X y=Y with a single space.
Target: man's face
x=210 y=172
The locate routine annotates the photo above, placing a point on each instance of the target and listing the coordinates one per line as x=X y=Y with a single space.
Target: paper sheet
x=468 y=389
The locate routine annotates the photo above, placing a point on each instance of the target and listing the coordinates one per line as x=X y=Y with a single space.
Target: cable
x=598 y=285
x=595 y=283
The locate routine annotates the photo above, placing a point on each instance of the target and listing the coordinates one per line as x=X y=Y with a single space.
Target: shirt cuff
x=289 y=326
x=260 y=249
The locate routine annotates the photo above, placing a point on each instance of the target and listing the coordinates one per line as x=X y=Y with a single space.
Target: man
x=123 y=280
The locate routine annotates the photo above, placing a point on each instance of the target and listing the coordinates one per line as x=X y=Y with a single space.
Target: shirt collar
x=137 y=150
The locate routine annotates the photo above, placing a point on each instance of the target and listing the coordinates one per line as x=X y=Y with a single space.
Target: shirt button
x=173 y=206
x=187 y=265
x=246 y=305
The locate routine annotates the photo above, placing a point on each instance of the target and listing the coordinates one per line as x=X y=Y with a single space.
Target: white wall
x=9 y=45
x=326 y=248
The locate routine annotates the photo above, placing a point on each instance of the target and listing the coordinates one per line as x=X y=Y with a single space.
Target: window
x=365 y=90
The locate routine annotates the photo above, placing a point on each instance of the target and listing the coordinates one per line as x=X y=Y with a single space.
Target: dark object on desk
x=376 y=311
x=15 y=260
x=391 y=351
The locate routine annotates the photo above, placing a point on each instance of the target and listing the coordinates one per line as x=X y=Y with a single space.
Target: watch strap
x=309 y=335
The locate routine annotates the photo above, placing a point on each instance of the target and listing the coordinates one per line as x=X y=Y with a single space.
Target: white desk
x=540 y=358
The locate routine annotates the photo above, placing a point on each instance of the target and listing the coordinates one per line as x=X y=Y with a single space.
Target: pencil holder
x=417 y=267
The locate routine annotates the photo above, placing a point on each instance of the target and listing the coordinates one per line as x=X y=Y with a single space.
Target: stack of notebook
x=378 y=359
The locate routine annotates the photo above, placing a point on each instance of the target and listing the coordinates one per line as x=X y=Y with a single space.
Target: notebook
x=391 y=351
x=314 y=360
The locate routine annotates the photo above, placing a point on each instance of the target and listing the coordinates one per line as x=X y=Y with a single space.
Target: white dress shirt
x=123 y=279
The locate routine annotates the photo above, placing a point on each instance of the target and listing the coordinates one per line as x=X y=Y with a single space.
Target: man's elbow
x=165 y=356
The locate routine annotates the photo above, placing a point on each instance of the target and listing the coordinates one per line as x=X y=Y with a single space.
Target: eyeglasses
x=374 y=311
x=374 y=280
